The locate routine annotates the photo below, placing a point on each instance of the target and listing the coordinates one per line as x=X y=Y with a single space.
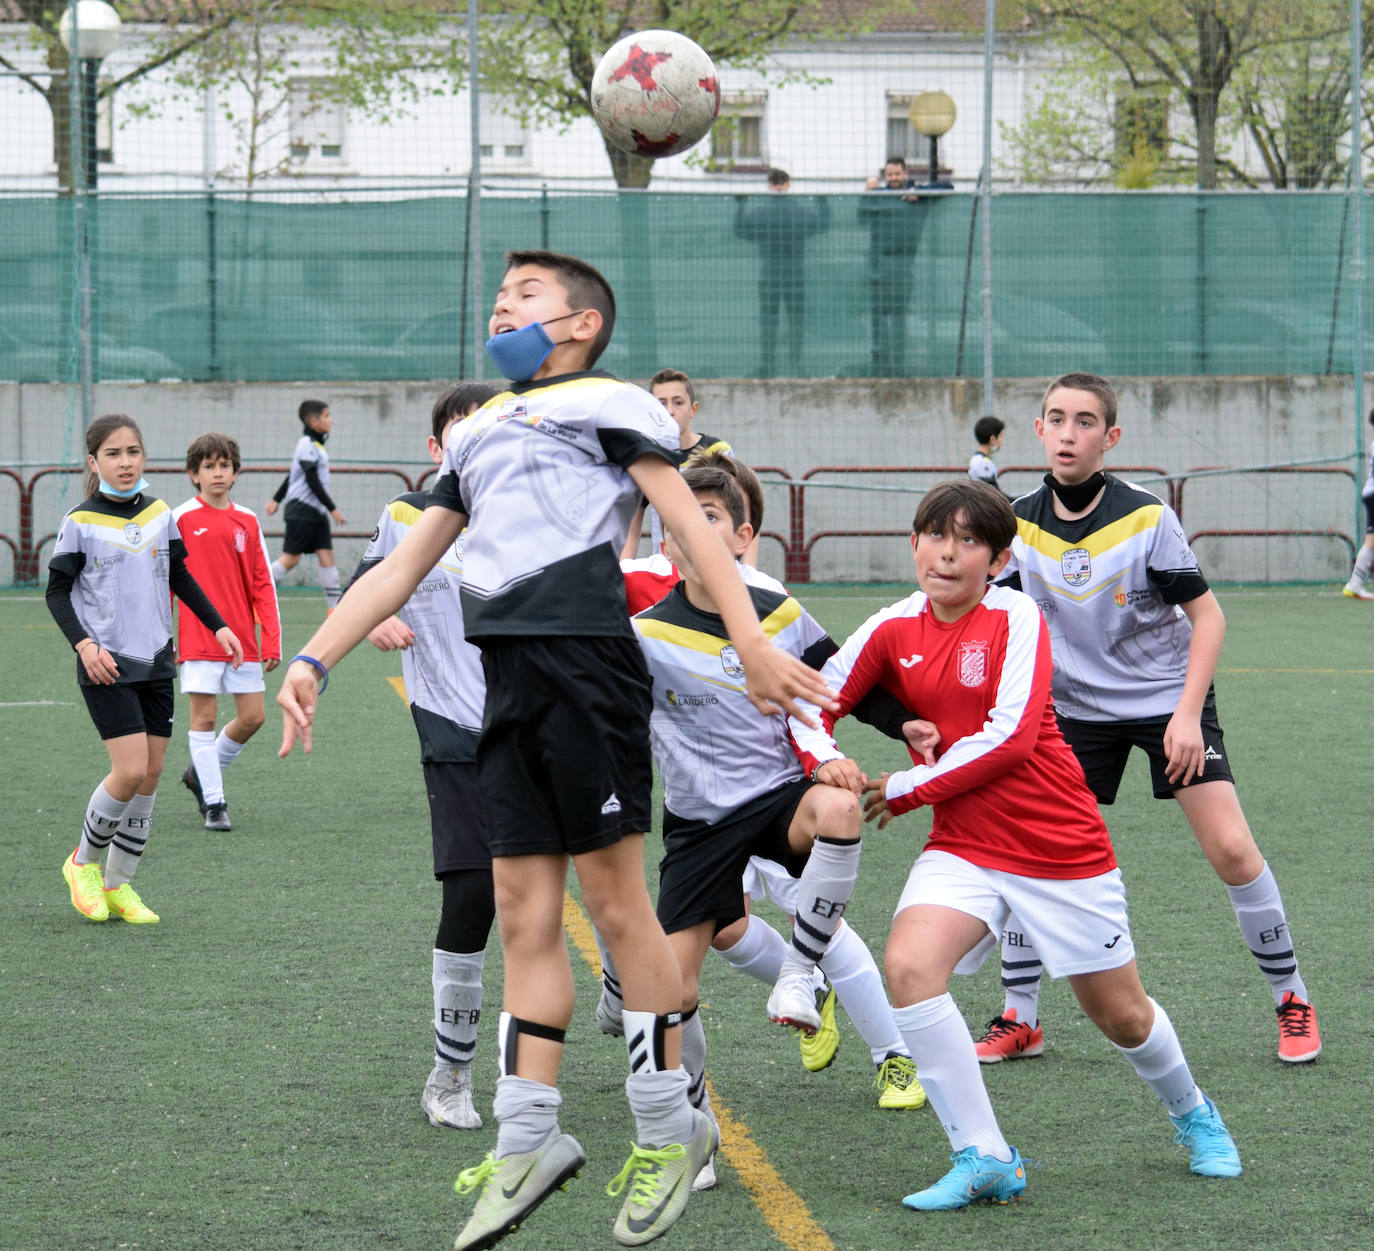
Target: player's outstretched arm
x=776 y=681
x=369 y=601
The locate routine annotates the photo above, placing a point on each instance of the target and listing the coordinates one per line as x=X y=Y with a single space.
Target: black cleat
x=217 y=817
x=191 y=781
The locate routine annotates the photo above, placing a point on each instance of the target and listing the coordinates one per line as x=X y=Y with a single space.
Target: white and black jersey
x=1109 y=585
x=308 y=481
x=442 y=670
x=714 y=749
x=541 y=472
x=112 y=568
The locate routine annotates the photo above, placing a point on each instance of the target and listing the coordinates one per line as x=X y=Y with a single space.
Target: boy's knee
x=908 y=979
x=839 y=814
x=251 y=722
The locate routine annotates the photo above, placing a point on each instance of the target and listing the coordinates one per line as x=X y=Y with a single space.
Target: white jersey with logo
x=309 y=451
x=1109 y=585
x=541 y=472
x=120 y=558
x=442 y=670
x=982 y=469
x=714 y=749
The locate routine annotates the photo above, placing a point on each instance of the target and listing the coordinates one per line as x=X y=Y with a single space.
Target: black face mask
x=1077 y=497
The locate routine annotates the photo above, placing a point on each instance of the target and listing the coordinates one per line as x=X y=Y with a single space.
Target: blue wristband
x=316 y=665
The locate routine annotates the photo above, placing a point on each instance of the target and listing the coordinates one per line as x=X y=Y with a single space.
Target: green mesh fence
x=201 y=288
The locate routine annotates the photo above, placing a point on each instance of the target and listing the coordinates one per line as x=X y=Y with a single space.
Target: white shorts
x=215 y=677
x=1077 y=925
x=767 y=879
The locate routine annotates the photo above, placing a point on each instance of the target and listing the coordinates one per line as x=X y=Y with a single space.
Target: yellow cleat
x=897 y=1083
x=818 y=1049
x=87 y=885
x=123 y=902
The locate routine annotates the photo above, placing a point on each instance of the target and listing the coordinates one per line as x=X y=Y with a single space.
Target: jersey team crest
x=973 y=663
x=1077 y=566
x=729 y=661
x=240 y=541
x=133 y=532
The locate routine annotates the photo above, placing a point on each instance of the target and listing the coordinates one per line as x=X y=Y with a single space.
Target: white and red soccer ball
x=655 y=93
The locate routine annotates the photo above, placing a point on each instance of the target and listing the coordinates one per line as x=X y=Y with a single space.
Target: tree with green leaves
x=1275 y=72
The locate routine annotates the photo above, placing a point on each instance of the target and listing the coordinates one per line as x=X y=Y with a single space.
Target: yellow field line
x=780 y=1206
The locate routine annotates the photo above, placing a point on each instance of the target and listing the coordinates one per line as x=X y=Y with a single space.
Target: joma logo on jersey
x=973 y=663
x=729 y=661
x=1077 y=566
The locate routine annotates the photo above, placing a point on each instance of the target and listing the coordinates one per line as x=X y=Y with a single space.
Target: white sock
x=942 y=1047
x=205 y=759
x=1264 y=926
x=759 y=951
x=859 y=987
x=1364 y=561
x=1021 y=972
x=329 y=584
x=1161 y=1065
x=823 y=890
x=227 y=749
x=694 y=1061
x=659 y=1102
x=526 y=1114
x=104 y=815
x=457 y=981
x=610 y=980
x=129 y=841
x=279 y=571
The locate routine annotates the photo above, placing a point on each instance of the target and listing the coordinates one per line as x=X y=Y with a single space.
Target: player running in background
x=309 y=506
x=1014 y=827
x=117 y=556
x=565 y=725
x=444 y=683
x=1364 y=558
x=1137 y=636
x=989 y=434
x=227 y=555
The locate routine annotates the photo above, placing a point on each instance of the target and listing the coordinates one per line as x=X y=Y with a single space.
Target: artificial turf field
x=247 y=1073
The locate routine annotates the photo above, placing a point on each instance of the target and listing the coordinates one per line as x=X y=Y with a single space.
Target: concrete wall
x=1172 y=424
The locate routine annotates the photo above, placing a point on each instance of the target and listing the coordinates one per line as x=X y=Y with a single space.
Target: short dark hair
x=213 y=446
x=1099 y=387
x=674 y=375
x=585 y=285
x=458 y=401
x=748 y=480
x=986 y=428
x=707 y=480
x=778 y=178
x=981 y=509
x=309 y=409
x=895 y=160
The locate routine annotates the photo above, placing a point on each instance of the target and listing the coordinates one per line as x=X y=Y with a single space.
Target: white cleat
x=447 y=1099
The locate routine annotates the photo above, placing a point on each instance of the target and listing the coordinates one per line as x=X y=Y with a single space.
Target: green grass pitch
x=247 y=1073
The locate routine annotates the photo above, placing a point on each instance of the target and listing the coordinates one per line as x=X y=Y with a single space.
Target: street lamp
x=89 y=30
x=932 y=113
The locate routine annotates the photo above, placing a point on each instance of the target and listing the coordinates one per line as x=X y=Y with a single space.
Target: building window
x=317 y=124
x=1140 y=119
x=504 y=143
x=104 y=129
x=902 y=139
x=737 y=138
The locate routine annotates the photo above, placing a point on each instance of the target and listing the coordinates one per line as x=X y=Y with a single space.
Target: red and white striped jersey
x=1006 y=791
x=227 y=554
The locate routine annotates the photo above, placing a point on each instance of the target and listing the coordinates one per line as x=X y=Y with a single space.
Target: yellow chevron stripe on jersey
x=403 y=513
x=679 y=636
x=785 y=614
x=89 y=517
x=1137 y=522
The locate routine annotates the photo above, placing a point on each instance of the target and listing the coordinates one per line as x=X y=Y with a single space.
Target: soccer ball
x=655 y=93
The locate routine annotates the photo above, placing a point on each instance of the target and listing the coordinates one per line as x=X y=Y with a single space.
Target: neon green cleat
x=87 y=885
x=123 y=902
x=513 y=1186
x=659 y=1182
x=897 y=1083
x=818 y=1049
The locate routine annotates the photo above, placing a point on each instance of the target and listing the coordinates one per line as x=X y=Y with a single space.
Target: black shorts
x=131 y=708
x=700 y=875
x=1102 y=748
x=457 y=826
x=564 y=755
x=306 y=530
x=1369 y=514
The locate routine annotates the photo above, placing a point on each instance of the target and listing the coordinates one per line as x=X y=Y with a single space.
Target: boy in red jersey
x=226 y=551
x=1015 y=828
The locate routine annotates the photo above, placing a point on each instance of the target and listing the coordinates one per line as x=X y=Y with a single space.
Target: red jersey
x=1006 y=790
x=227 y=555
x=647 y=581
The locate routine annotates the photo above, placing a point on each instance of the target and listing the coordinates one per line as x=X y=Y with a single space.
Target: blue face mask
x=115 y=493
x=518 y=354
